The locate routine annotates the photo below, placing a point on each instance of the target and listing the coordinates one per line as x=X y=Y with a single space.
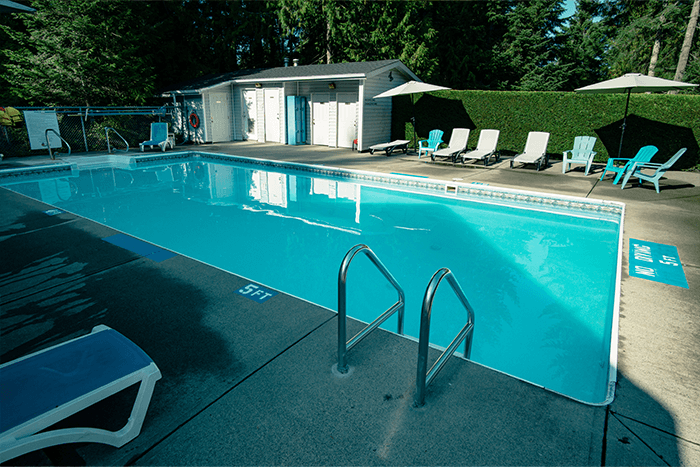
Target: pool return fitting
x=423 y=379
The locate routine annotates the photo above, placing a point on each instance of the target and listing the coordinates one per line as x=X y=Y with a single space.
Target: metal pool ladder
x=343 y=346
x=109 y=148
x=467 y=332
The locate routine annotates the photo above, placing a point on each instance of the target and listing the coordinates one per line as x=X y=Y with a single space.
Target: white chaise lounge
x=485 y=148
x=43 y=388
x=535 y=150
x=457 y=145
x=399 y=144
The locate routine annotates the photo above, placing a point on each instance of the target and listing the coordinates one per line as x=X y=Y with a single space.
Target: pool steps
x=423 y=378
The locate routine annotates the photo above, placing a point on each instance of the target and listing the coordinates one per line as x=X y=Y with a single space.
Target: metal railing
x=48 y=144
x=85 y=135
x=109 y=148
x=343 y=346
x=423 y=379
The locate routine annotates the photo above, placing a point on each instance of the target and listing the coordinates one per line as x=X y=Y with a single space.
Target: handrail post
x=109 y=149
x=48 y=143
x=343 y=345
x=423 y=379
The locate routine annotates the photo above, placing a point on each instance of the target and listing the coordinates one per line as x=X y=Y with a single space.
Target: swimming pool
x=541 y=271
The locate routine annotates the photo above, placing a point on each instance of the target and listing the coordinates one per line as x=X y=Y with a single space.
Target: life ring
x=194 y=120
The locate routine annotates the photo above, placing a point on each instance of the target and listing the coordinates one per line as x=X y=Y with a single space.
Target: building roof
x=335 y=71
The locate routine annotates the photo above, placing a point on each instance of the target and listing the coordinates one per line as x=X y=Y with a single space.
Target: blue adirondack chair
x=621 y=165
x=431 y=144
x=637 y=167
x=581 y=154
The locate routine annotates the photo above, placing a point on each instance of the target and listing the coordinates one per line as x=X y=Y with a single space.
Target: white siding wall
x=260 y=107
x=205 y=125
x=181 y=118
x=237 y=111
x=308 y=89
x=375 y=124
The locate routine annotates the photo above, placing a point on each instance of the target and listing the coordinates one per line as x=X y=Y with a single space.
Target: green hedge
x=669 y=122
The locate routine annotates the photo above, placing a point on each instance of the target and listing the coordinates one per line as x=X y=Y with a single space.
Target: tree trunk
x=654 y=55
x=688 y=41
x=328 y=39
x=657 y=47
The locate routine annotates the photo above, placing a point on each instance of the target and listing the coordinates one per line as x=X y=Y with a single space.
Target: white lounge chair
x=485 y=148
x=535 y=150
x=48 y=386
x=399 y=144
x=159 y=137
x=457 y=145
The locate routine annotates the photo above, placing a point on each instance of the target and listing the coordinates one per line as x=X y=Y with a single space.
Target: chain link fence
x=84 y=129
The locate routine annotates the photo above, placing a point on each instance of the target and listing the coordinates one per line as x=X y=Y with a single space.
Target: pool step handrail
x=343 y=346
x=48 y=144
x=109 y=148
x=423 y=379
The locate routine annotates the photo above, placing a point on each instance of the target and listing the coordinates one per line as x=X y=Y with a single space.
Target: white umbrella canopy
x=7 y=6
x=633 y=82
x=411 y=87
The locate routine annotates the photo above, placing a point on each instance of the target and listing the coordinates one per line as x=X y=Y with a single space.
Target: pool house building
x=329 y=105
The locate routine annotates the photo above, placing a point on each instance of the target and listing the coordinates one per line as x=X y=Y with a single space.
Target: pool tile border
x=483 y=193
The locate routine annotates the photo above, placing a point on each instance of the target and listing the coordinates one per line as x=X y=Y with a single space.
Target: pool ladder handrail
x=48 y=144
x=343 y=346
x=109 y=148
x=424 y=379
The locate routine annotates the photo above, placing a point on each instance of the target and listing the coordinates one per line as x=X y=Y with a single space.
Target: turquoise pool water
x=541 y=278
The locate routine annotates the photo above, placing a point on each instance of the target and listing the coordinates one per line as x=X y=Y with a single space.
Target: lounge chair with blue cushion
x=457 y=145
x=620 y=165
x=159 y=137
x=431 y=144
x=396 y=145
x=485 y=147
x=581 y=154
x=535 y=150
x=50 y=385
x=659 y=169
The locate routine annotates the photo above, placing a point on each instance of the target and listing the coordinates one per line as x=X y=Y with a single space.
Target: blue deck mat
x=140 y=247
x=656 y=262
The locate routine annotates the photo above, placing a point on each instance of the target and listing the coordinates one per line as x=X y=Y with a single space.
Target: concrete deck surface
x=251 y=384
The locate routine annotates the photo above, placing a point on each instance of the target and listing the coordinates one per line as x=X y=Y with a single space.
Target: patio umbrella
x=629 y=83
x=411 y=87
x=7 y=6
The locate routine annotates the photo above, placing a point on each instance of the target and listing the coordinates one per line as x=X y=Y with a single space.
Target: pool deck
x=252 y=384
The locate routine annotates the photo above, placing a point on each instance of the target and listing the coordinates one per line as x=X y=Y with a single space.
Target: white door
x=319 y=124
x=248 y=116
x=220 y=117
x=272 y=115
x=347 y=120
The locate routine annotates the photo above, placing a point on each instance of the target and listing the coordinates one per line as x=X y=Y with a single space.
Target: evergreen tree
x=648 y=33
x=466 y=55
x=74 y=52
x=585 y=44
x=531 y=47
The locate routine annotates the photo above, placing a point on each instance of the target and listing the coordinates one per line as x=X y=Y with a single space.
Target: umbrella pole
x=624 y=122
x=413 y=123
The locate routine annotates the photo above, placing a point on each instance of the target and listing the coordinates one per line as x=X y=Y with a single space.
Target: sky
x=570 y=7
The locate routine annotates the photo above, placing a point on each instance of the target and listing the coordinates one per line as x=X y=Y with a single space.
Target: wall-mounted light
x=258 y=85
x=391 y=78
x=331 y=86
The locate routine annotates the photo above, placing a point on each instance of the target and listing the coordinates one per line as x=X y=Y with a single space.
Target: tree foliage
x=99 y=52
